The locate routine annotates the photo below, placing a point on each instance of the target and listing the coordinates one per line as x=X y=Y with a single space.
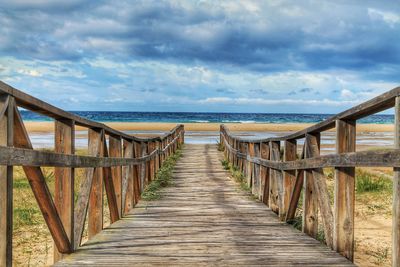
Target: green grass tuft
x=367 y=182
x=163 y=178
x=25 y=216
x=236 y=174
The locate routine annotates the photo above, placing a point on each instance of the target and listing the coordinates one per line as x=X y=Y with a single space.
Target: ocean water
x=46 y=140
x=203 y=117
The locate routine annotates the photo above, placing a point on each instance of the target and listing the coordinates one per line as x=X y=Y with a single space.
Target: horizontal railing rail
x=122 y=167
x=279 y=179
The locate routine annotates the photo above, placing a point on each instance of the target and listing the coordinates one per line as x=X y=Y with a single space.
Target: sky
x=201 y=56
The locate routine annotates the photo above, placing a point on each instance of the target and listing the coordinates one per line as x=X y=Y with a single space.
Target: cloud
x=261 y=36
x=388 y=17
x=138 y=54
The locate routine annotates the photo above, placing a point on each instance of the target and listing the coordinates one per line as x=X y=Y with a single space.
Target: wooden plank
x=115 y=148
x=95 y=212
x=321 y=191
x=40 y=190
x=295 y=196
x=127 y=172
x=264 y=172
x=151 y=148
x=136 y=170
x=310 y=201
x=28 y=157
x=396 y=192
x=343 y=237
x=256 y=180
x=143 y=166
x=250 y=165
x=275 y=184
x=6 y=182
x=64 y=143
x=110 y=189
x=289 y=177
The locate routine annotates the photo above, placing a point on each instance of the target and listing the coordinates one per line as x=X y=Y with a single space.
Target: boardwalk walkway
x=203 y=219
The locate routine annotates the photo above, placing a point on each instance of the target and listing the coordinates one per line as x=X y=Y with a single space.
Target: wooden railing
x=123 y=166
x=279 y=180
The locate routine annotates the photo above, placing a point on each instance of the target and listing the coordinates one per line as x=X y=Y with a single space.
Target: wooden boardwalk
x=203 y=219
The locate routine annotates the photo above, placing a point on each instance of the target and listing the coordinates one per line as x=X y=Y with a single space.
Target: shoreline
x=40 y=127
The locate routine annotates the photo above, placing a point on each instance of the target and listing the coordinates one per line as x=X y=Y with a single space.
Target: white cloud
x=261 y=101
x=347 y=94
x=390 y=18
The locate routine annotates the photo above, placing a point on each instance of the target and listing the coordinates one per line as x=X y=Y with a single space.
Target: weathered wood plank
x=264 y=172
x=321 y=191
x=127 y=180
x=95 y=211
x=343 y=238
x=310 y=201
x=64 y=143
x=136 y=170
x=6 y=182
x=256 y=180
x=110 y=189
x=289 y=154
x=275 y=184
x=40 y=190
x=115 y=151
x=143 y=166
x=250 y=165
x=396 y=192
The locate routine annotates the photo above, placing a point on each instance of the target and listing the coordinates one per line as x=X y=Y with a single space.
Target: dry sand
x=250 y=127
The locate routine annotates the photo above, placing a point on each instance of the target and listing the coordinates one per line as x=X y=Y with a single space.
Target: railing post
x=136 y=172
x=264 y=172
x=150 y=162
x=275 y=179
x=64 y=179
x=95 y=223
x=240 y=160
x=243 y=150
x=290 y=153
x=310 y=200
x=250 y=152
x=158 y=164
x=343 y=233
x=115 y=148
x=256 y=188
x=396 y=192
x=182 y=131
x=6 y=182
x=127 y=184
x=143 y=167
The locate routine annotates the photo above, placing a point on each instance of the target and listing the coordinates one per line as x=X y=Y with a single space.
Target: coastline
x=46 y=126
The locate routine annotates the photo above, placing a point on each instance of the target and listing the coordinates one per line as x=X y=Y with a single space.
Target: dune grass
x=163 y=178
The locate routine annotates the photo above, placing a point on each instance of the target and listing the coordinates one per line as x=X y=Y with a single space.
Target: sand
x=250 y=127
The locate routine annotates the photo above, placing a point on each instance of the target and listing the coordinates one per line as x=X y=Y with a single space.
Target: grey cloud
x=251 y=35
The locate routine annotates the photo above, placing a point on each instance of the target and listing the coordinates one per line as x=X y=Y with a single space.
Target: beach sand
x=248 y=127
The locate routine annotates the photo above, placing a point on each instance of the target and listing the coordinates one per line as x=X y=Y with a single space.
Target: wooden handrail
x=123 y=166
x=279 y=180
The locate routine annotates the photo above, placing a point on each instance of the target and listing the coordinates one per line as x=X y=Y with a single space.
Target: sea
x=204 y=117
x=46 y=140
